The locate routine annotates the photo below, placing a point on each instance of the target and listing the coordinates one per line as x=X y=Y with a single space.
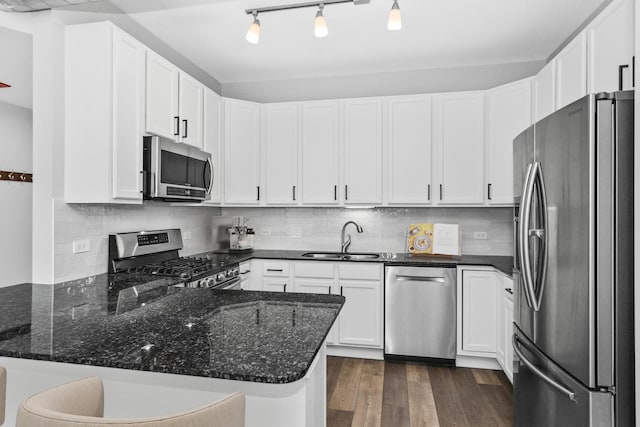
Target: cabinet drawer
x=359 y=271
x=322 y=270
x=279 y=269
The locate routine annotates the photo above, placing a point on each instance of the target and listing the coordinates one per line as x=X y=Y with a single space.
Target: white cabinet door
x=162 y=97
x=317 y=286
x=508 y=333
x=459 y=138
x=242 y=151
x=479 y=311
x=610 y=41
x=128 y=115
x=509 y=113
x=190 y=109
x=280 y=160
x=544 y=87
x=409 y=150
x=501 y=341
x=363 y=151
x=320 y=153
x=276 y=284
x=212 y=138
x=571 y=71
x=360 y=321
x=104 y=115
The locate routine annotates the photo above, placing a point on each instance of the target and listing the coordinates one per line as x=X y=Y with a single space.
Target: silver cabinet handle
x=421 y=279
x=553 y=383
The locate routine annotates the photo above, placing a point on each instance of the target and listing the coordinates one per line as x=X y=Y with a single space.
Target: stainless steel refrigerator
x=573 y=307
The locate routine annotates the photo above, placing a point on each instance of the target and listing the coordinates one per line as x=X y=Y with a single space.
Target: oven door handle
x=231 y=284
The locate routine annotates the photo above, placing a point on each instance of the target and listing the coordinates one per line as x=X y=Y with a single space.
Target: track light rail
x=301 y=5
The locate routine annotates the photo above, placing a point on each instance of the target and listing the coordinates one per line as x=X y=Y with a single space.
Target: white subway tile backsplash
x=96 y=222
x=384 y=228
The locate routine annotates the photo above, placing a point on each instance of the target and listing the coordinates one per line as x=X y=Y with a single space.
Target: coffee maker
x=240 y=236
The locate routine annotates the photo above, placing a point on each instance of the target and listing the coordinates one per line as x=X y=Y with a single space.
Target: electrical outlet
x=480 y=235
x=186 y=235
x=265 y=232
x=81 y=246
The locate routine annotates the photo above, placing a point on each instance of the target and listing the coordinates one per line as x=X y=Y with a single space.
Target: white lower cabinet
x=477 y=316
x=245 y=276
x=508 y=333
x=360 y=321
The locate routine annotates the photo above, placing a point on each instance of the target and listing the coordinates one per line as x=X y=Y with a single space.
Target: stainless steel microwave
x=174 y=171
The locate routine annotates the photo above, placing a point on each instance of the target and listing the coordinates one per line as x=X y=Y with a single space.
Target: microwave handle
x=210 y=163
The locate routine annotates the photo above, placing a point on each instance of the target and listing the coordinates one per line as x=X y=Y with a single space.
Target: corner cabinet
x=242 y=152
x=320 y=153
x=104 y=114
x=212 y=142
x=508 y=114
x=459 y=147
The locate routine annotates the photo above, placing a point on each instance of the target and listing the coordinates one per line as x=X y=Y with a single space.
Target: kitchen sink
x=341 y=256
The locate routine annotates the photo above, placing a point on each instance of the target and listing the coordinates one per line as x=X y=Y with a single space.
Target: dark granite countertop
x=237 y=335
x=502 y=263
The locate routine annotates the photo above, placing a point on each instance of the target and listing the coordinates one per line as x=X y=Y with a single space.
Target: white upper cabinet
x=409 y=150
x=104 y=114
x=320 y=153
x=174 y=102
x=191 y=106
x=363 y=151
x=242 y=151
x=508 y=114
x=213 y=141
x=459 y=143
x=544 y=88
x=280 y=159
x=162 y=97
x=571 y=71
x=610 y=41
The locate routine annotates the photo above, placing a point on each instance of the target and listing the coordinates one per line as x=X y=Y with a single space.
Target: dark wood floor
x=398 y=394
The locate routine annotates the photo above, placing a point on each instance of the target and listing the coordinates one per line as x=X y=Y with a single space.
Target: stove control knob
x=211 y=282
x=221 y=277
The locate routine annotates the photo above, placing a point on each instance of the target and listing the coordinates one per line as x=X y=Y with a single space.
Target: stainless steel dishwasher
x=420 y=313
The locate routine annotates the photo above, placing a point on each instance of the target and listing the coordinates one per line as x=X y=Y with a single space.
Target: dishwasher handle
x=427 y=279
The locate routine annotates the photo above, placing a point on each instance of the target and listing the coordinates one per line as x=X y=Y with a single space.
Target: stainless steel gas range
x=145 y=265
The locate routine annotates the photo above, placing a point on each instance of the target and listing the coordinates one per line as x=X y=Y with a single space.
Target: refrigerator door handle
x=542 y=234
x=571 y=395
x=523 y=239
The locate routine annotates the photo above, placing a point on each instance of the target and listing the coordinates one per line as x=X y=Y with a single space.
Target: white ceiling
x=16 y=68
x=435 y=34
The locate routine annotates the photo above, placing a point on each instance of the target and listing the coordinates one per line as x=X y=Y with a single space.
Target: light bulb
x=395 y=19
x=320 y=28
x=253 y=35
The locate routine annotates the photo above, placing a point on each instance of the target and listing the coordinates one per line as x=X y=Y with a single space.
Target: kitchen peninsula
x=269 y=346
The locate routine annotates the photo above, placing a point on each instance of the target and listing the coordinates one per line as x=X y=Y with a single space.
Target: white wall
x=15 y=211
x=385 y=229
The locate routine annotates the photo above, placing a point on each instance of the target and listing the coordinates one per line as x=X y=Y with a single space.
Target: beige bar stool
x=3 y=392
x=81 y=403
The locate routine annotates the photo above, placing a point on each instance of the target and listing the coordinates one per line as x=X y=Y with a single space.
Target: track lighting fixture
x=253 y=35
x=320 y=28
x=395 y=19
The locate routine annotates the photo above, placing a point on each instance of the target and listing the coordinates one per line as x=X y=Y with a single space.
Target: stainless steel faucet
x=347 y=242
